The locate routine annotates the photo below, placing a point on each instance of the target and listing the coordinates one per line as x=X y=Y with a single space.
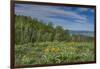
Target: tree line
x=28 y=30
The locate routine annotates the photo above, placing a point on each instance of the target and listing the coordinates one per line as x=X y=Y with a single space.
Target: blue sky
x=72 y=18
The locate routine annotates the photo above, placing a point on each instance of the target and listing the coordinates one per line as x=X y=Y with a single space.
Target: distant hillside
x=85 y=33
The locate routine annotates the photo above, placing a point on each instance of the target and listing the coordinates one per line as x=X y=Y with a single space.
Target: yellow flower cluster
x=72 y=43
x=46 y=50
x=53 y=49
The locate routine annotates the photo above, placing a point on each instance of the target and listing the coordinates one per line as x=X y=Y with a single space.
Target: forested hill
x=30 y=30
x=33 y=30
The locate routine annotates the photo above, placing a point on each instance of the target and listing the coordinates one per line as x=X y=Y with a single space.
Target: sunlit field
x=54 y=52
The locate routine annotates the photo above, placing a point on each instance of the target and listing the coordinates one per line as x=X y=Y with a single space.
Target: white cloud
x=83 y=9
x=49 y=10
x=43 y=12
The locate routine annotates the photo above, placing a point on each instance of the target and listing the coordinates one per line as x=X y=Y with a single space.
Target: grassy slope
x=31 y=46
x=54 y=52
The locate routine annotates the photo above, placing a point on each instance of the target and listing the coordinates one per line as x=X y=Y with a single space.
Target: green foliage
x=32 y=30
x=54 y=52
x=39 y=43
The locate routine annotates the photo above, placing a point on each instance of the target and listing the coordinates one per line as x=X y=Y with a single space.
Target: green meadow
x=39 y=43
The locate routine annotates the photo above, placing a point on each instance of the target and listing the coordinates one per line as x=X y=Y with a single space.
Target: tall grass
x=54 y=52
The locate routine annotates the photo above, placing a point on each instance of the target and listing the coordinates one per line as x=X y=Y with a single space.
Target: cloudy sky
x=72 y=18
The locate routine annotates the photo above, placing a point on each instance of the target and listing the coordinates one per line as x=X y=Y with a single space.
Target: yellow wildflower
x=52 y=49
x=46 y=50
x=55 y=49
